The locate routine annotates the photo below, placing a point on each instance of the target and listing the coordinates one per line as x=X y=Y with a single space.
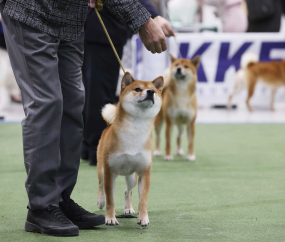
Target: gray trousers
x=48 y=72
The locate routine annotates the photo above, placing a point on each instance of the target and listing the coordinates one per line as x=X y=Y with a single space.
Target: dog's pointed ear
x=158 y=83
x=196 y=61
x=172 y=58
x=127 y=80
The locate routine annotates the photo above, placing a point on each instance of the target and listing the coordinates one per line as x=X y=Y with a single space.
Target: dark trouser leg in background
x=53 y=107
x=100 y=77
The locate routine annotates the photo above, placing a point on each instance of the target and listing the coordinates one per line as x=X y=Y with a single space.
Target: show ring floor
x=234 y=191
x=262 y=114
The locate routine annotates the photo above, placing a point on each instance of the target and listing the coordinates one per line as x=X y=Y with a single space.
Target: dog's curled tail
x=248 y=59
x=109 y=113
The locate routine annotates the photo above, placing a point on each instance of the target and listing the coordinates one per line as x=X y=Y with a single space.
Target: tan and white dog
x=179 y=105
x=272 y=74
x=125 y=147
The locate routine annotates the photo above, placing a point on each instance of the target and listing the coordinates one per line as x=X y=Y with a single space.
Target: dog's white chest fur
x=132 y=156
x=126 y=164
x=181 y=111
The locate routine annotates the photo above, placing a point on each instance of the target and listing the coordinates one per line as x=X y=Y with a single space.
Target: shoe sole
x=29 y=227
x=88 y=225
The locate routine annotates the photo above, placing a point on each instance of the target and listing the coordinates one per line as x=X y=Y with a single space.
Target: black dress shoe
x=79 y=216
x=50 y=221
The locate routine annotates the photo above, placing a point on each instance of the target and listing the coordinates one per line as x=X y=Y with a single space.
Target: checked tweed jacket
x=64 y=19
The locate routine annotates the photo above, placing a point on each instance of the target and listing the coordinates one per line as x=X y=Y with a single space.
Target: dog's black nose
x=150 y=92
x=179 y=70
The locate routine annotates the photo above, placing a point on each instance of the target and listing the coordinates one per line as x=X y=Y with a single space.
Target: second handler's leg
x=100 y=74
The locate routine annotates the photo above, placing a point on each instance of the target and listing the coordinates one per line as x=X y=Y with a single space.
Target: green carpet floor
x=235 y=191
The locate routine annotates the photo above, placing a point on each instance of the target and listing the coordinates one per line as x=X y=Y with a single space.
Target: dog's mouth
x=180 y=76
x=148 y=98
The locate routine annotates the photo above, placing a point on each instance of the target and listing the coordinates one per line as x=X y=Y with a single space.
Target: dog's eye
x=177 y=65
x=138 y=89
x=186 y=66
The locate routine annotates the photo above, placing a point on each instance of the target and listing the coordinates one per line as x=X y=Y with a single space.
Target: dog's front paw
x=111 y=221
x=143 y=221
x=168 y=158
x=229 y=106
x=129 y=211
x=180 y=152
x=157 y=153
x=191 y=157
x=250 y=109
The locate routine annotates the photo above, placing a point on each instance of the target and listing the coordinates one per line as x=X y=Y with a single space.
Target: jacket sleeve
x=150 y=7
x=129 y=12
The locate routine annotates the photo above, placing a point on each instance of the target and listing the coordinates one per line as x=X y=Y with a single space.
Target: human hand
x=164 y=24
x=92 y=3
x=153 y=37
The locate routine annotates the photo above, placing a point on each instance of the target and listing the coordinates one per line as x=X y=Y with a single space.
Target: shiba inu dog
x=272 y=74
x=125 y=147
x=179 y=105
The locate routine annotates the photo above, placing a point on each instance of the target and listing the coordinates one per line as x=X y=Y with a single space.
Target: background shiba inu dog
x=272 y=74
x=179 y=105
x=125 y=147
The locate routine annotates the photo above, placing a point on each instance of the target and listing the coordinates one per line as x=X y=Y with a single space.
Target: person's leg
x=70 y=58
x=70 y=55
x=33 y=56
x=100 y=74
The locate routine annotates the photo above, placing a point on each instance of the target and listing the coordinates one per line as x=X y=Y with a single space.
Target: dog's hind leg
x=168 y=131
x=191 y=132
x=251 y=86
x=131 y=183
x=180 y=151
x=101 y=199
x=235 y=91
x=229 y=106
x=239 y=86
x=158 y=125
x=273 y=92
